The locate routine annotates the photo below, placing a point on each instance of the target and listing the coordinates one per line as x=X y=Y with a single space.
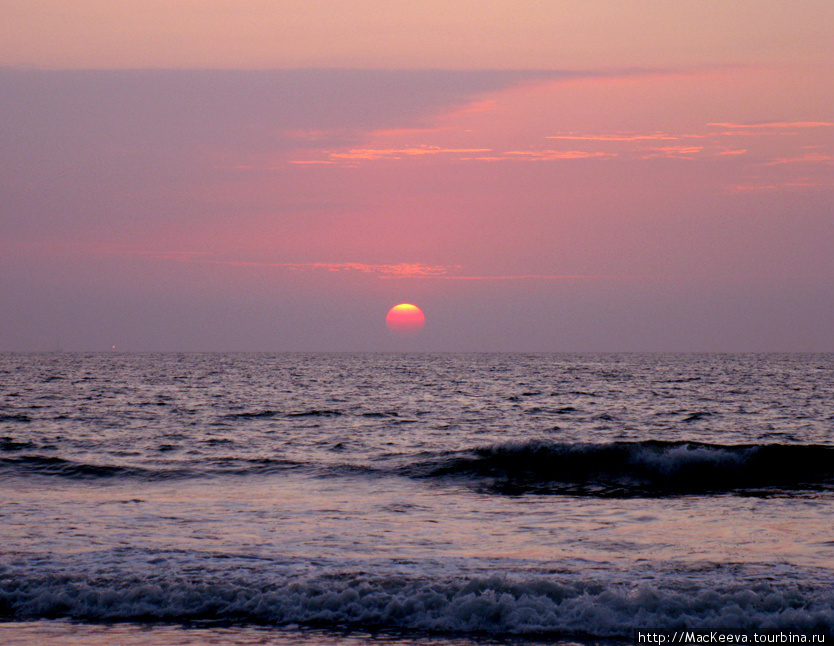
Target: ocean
x=430 y=499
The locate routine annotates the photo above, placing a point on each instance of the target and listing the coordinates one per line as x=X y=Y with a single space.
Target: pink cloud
x=400 y=270
x=807 y=158
x=775 y=124
x=302 y=162
x=396 y=153
x=676 y=152
x=549 y=155
x=798 y=184
x=487 y=105
x=540 y=277
x=617 y=137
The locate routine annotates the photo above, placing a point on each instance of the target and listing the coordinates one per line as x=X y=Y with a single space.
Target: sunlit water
x=432 y=499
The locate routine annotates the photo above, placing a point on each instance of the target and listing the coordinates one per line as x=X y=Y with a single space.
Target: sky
x=560 y=175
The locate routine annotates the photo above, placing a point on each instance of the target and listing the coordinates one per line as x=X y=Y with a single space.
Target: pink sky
x=572 y=176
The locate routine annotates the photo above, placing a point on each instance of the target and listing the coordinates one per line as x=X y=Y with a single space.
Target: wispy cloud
x=397 y=153
x=807 y=158
x=548 y=155
x=308 y=162
x=390 y=270
x=400 y=270
x=678 y=152
x=768 y=129
x=542 y=277
x=731 y=151
x=774 y=124
x=302 y=134
x=473 y=107
x=404 y=270
x=618 y=137
x=799 y=184
x=393 y=271
x=689 y=145
x=460 y=154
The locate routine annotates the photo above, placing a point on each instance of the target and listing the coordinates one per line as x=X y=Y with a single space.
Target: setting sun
x=405 y=319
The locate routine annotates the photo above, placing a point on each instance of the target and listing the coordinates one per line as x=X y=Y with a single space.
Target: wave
x=274 y=413
x=622 y=469
x=9 y=444
x=647 y=468
x=254 y=414
x=493 y=605
x=14 y=417
x=58 y=467
x=316 y=413
x=54 y=466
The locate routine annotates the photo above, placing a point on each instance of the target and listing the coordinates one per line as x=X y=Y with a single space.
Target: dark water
x=329 y=498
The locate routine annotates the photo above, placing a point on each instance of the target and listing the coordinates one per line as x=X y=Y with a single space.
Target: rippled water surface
x=413 y=498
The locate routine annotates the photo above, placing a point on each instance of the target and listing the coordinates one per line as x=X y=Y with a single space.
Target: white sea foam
x=495 y=605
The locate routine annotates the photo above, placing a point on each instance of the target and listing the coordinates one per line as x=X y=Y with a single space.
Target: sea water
x=415 y=498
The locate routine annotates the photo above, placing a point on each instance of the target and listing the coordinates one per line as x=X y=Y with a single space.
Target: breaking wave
x=638 y=468
x=647 y=468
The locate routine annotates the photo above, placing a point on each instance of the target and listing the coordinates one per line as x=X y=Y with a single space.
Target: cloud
x=123 y=147
x=540 y=277
x=807 y=158
x=400 y=270
x=77 y=249
x=397 y=153
x=800 y=184
x=262 y=110
x=461 y=154
x=618 y=137
x=403 y=270
x=633 y=144
x=672 y=152
x=300 y=162
x=740 y=151
x=473 y=107
x=775 y=124
x=387 y=271
x=768 y=129
x=551 y=155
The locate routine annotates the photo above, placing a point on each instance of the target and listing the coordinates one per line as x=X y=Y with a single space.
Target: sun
x=405 y=319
